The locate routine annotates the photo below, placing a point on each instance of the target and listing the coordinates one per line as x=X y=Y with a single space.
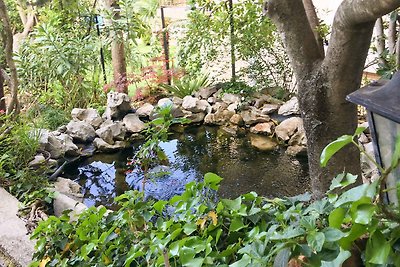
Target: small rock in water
x=263 y=143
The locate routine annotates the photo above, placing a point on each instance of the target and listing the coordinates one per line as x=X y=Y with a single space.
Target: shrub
x=186 y=85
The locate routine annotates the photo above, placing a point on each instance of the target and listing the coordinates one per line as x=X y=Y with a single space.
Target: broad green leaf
x=342 y=180
x=355 y=232
x=212 y=180
x=195 y=262
x=333 y=147
x=290 y=232
x=189 y=228
x=341 y=258
x=233 y=205
x=160 y=205
x=363 y=213
x=236 y=224
x=359 y=130
x=243 y=262
x=316 y=240
x=282 y=258
x=378 y=249
x=356 y=193
x=333 y=234
x=336 y=218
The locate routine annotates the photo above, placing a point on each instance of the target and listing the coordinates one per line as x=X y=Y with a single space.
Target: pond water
x=191 y=154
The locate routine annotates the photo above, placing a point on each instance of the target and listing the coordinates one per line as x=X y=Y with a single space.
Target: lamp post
x=382 y=102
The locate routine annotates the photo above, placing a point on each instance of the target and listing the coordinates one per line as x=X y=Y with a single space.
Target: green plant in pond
x=186 y=85
x=193 y=229
x=151 y=154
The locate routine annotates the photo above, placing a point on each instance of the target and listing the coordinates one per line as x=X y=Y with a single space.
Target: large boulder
x=69 y=188
x=251 y=117
x=69 y=148
x=230 y=98
x=194 y=105
x=118 y=105
x=206 y=92
x=291 y=107
x=112 y=131
x=103 y=146
x=145 y=110
x=133 y=124
x=286 y=129
x=81 y=131
x=163 y=102
x=89 y=115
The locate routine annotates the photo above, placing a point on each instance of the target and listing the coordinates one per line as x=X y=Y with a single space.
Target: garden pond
x=192 y=153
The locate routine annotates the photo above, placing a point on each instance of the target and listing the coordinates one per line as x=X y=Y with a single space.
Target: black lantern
x=382 y=102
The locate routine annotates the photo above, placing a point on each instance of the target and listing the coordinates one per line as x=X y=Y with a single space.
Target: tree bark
x=117 y=51
x=324 y=82
x=2 y=100
x=314 y=23
x=8 y=52
x=392 y=30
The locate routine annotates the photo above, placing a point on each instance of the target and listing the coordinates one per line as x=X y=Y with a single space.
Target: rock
x=145 y=110
x=291 y=107
x=363 y=139
x=112 y=131
x=232 y=107
x=221 y=117
x=194 y=105
x=230 y=98
x=206 y=92
x=177 y=101
x=103 y=146
x=133 y=124
x=261 y=100
x=299 y=138
x=164 y=102
x=69 y=148
x=194 y=117
x=69 y=188
x=62 y=129
x=237 y=119
x=118 y=105
x=262 y=128
x=81 y=131
x=269 y=108
x=251 y=117
x=296 y=150
x=55 y=147
x=89 y=115
x=42 y=135
x=211 y=100
x=263 y=143
x=219 y=106
x=288 y=127
x=62 y=203
x=38 y=161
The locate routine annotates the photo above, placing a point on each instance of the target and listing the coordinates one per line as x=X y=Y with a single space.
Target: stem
x=362 y=150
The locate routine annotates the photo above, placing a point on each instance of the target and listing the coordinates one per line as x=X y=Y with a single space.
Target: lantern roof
x=381 y=97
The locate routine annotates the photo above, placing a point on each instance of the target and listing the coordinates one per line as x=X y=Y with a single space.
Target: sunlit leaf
x=333 y=147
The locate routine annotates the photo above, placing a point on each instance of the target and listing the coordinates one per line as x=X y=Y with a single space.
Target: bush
x=186 y=85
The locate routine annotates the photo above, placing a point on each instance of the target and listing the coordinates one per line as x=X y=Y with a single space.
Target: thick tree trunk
x=117 y=51
x=8 y=41
x=314 y=23
x=324 y=82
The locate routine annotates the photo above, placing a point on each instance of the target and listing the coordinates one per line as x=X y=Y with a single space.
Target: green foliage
x=19 y=145
x=48 y=117
x=255 y=39
x=186 y=85
x=238 y=87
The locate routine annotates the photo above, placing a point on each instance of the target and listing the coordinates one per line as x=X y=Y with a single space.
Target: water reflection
x=192 y=154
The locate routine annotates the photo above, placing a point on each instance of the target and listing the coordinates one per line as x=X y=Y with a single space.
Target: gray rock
x=55 y=147
x=189 y=103
x=211 y=100
x=177 y=100
x=251 y=117
x=291 y=107
x=263 y=143
x=118 y=105
x=42 y=135
x=261 y=100
x=69 y=188
x=262 y=128
x=221 y=117
x=38 y=161
x=69 y=148
x=103 y=146
x=206 y=92
x=232 y=107
x=145 y=110
x=112 y=131
x=194 y=117
x=288 y=127
x=62 y=203
x=230 y=98
x=219 y=106
x=164 y=102
x=89 y=115
x=296 y=150
x=133 y=124
x=81 y=131
x=269 y=108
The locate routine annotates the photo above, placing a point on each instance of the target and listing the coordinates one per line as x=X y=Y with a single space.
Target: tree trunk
x=2 y=100
x=380 y=40
x=324 y=82
x=8 y=52
x=392 y=32
x=314 y=23
x=117 y=51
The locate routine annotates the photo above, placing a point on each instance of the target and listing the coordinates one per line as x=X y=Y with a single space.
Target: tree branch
x=314 y=24
x=291 y=19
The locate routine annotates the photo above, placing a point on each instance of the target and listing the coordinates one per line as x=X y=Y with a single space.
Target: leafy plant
x=186 y=85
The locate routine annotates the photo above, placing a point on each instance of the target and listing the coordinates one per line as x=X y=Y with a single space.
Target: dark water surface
x=192 y=154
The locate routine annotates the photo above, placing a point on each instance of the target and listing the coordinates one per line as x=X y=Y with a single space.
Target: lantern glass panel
x=387 y=132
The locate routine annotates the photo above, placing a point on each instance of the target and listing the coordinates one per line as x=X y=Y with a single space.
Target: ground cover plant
x=197 y=229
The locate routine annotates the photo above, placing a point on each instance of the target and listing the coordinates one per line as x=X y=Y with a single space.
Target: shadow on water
x=192 y=154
